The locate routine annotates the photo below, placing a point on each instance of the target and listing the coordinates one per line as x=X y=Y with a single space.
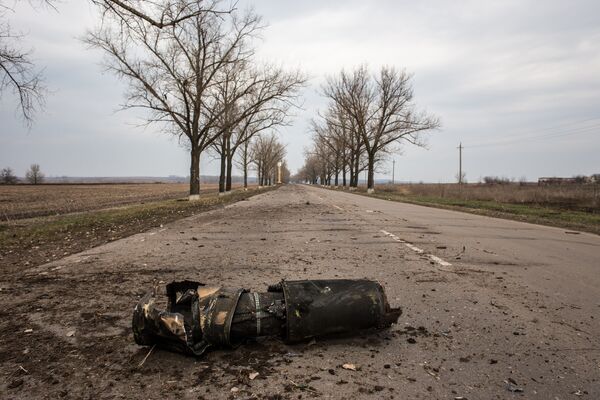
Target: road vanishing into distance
x=493 y=309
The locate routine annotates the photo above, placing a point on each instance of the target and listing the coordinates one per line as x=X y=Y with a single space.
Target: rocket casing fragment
x=199 y=317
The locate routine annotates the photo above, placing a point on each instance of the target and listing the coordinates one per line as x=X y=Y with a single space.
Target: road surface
x=493 y=309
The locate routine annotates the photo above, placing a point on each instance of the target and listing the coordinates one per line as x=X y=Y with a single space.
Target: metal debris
x=199 y=317
x=350 y=367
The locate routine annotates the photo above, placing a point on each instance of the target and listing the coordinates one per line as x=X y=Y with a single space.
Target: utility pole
x=460 y=175
x=393 y=171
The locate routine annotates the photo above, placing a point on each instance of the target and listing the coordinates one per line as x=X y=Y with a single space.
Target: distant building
x=569 y=181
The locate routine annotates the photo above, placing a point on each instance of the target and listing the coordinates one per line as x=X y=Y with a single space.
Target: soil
x=28 y=201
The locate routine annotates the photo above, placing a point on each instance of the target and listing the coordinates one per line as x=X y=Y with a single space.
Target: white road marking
x=414 y=248
x=439 y=261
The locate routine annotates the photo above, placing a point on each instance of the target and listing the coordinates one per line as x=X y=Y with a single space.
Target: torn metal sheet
x=199 y=317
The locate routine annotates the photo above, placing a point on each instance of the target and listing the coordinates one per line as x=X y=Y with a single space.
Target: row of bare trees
x=368 y=117
x=191 y=65
x=198 y=78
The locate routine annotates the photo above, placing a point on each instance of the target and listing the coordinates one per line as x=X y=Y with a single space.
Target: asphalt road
x=493 y=309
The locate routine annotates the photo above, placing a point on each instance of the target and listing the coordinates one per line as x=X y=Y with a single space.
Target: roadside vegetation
x=25 y=243
x=565 y=206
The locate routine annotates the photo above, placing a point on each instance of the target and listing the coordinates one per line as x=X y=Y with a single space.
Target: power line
x=554 y=135
x=551 y=128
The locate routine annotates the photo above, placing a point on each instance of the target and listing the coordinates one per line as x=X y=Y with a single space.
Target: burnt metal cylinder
x=199 y=317
x=316 y=308
x=258 y=315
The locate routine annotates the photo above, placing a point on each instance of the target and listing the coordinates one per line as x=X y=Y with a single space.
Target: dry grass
x=585 y=198
x=568 y=206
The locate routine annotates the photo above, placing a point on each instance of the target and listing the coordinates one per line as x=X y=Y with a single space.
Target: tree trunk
x=229 y=165
x=351 y=169
x=245 y=162
x=355 y=167
x=344 y=175
x=195 y=171
x=222 y=173
x=371 y=172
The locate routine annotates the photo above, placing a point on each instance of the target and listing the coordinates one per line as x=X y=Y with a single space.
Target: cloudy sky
x=517 y=82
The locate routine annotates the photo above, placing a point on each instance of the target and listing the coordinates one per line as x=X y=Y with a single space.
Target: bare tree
x=18 y=74
x=7 y=176
x=244 y=158
x=174 y=72
x=285 y=172
x=336 y=131
x=35 y=175
x=256 y=99
x=267 y=152
x=380 y=109
x=156 y=12
x=309 y=173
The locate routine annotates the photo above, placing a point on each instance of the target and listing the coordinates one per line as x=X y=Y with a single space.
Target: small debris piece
x=141 y=364
x=15 y=384
x=70 y=333
x=28 y=330
x=234 y=390
x=511 y=386
x=514 y=389
x=253 y=375
x=350 y=367
x=303 y=386
x=411 y=340
x=331 y=371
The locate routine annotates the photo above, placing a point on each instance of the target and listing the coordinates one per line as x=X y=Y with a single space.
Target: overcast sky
x=517 y=82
